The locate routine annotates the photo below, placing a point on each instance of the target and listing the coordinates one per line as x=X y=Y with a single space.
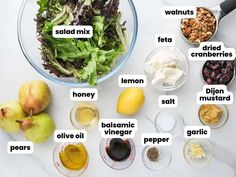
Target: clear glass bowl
x=223 y=120
x=61 y=168
x=183 y=65
x=208 y=148
x=26 y=31
x=164 y=161
x=169 y=121
x=115 y=164
x=75 y=122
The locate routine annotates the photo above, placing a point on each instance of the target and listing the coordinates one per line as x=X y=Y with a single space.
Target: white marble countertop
x=14 y=70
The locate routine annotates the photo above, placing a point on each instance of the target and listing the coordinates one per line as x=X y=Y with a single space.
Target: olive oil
x=74 y=157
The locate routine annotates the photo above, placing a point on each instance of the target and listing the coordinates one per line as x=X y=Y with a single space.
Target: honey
x=86 y=115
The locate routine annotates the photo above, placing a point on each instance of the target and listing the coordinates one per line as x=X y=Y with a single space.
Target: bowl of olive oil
x=71 y=159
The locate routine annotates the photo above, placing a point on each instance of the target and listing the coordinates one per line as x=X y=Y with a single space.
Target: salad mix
x=85 y=59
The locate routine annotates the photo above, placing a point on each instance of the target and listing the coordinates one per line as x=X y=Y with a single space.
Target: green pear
x=34 y=97
x=38 y=128
x=9 y=113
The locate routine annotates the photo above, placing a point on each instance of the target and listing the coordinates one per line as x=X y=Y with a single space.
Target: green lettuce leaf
x=89 y=72
x=66 y=49
x=42 y=6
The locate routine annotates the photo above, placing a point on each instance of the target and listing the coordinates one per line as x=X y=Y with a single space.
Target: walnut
x=201 y=28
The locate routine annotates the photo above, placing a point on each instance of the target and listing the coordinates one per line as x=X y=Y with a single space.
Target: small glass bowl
x=74 y=120
x=177 y=127
x=208 y=148
x=184 y=65
x=61 y=168
x=115 y=164
x=164 y=161
x=223 y=120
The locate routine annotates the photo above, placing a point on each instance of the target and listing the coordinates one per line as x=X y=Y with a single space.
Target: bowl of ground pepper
x=156 y=158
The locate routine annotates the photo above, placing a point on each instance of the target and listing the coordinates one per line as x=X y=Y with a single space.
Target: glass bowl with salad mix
x=76 y=61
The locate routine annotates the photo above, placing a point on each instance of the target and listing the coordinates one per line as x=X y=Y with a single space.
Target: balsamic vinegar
x=118 y=149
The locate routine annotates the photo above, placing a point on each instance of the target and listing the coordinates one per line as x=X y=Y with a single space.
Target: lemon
x=130 y=101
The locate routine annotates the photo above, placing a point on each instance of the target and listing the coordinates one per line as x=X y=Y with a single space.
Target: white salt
x=166 y=122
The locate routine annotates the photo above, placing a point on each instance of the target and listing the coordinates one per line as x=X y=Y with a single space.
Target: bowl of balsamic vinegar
x=117 y=153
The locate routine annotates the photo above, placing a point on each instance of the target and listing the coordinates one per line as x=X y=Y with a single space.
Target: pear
x=38 y=128
x=34 y=97
x=9 y=113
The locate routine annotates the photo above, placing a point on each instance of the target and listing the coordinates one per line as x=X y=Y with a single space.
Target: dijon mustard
x=210 y=113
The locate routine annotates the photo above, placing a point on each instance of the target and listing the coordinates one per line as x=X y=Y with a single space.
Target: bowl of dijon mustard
x=213 y=115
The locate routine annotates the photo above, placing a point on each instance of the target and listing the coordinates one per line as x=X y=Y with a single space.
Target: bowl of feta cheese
x=167 y=68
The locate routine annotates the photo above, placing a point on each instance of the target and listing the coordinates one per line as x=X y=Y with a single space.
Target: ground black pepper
x=153 y=154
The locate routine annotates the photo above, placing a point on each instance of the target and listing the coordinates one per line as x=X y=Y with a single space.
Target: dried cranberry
x=213 y=75
x=218 y=72
x=206 y=72
x=219 y=76
x=216 y=66
x=209 y=81
x=224 y=70
x=230 y=65
x=224 y=79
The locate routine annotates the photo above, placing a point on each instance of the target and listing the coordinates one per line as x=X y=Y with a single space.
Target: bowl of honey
x=84 y=116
